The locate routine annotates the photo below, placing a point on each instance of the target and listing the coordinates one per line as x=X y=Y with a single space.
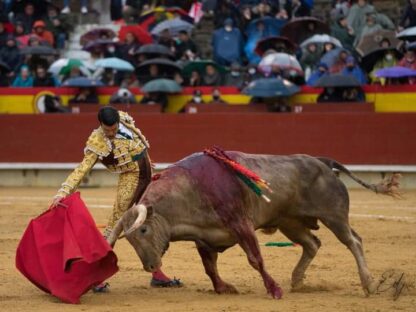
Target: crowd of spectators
x=238 y=59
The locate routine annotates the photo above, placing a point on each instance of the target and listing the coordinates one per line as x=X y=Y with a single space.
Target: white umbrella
x=407 y=34
x=321 y=39
x=283 y=61
x=57 y=66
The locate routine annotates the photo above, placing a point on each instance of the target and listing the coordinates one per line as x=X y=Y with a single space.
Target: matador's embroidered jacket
x=118 y=155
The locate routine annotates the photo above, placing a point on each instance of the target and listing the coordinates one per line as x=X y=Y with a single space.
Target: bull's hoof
x=297 y=285
x=226 y=288
x=275 y=291
x=371 y=287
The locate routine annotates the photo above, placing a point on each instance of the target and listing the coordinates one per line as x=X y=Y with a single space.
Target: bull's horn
x=115 y=232
x=141 y=217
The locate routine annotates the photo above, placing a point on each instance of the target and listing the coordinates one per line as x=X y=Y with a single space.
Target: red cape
x=63 y=253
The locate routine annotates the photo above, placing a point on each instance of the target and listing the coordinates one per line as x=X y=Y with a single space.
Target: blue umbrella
x=82 y=82
x=271 y=87
x=395 y=72
x=162 y=85
x=174 y=25
x=114 y=63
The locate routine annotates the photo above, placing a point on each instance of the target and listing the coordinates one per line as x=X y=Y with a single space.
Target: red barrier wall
x=352 y=138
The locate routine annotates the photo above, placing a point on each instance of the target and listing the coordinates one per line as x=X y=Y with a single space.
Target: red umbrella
x=141 y=34
x=63 y=253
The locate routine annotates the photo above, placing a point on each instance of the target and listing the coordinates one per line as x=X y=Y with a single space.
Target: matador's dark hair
x=108 y=116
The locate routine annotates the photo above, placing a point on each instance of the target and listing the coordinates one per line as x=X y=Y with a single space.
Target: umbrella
x=99 y=43
x=372 y=41
x=283 y=61
x=165 y=66
x=4 y=67
x=63 y=253
x=114 y=63
x=162 y=85
x=271 y=87
x=174 y=25
x=301 y=28
x=395 y=72
x=321 y=39
x=408 y=34
x=138 y=32
x=370 y=59
x=276 y=43
x=98 y=33
x=153 y=50
x=199 y=66
x=38 y=50
x=159 y=14
x=337 y=80
x=64 y=66
x=82 y=82
x=329 y=58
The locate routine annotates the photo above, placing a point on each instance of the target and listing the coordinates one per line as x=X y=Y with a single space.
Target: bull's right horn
x=141 y=217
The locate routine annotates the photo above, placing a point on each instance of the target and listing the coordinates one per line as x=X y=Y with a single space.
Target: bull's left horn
x=141 y=217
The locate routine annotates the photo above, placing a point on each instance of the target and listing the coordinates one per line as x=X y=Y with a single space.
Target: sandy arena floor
x=387 y=226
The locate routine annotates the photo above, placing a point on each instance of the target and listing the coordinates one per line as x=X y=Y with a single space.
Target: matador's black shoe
x=170 y=283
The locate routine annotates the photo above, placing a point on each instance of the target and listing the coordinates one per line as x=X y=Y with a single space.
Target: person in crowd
x=224 y=10
x=10 y=54
x=67 y=9
x=227 y=43
x=371 y=26
x=298 y=8
x=343 y=32
x=108 y=77
x=357 y=16
x=352 y=68
x=185 y=47
x=58 y=25
x=211 y=77
x=388 y=60
x=331 y=95
x=156 y=98
x=310 y=57
x=195 y=80
x=339 y=8
x=85 y=95
x=321 y=71
x=246 y=17
x=53 y=104
x=178 y=78
x=166 y=39
x=251 y=74
x=129 y=80
x=43 y=78
x=24 y=79
x=19 y=31
x=340 y=62
x=123 y=96
x=196 y=97
x=27 y=17
x=131 y=10
x=216 y=97
x=235 y=77
x=408 y=17
x=353 y=95
x=128 y=48
x=408 y=60
x=3 y=34
x=39 y=29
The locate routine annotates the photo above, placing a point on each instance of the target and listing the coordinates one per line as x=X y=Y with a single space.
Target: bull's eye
x=143 y=230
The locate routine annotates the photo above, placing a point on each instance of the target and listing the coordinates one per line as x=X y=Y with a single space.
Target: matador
x=121 y=147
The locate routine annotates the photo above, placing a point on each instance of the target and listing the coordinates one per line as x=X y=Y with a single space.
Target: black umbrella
x=154 y=50
x=370 y=59
x=301 y=28
x=337 y=80
x=165 y=66
x=4 y=67
x=276 y=43
x=271 y=87
x=38 y=50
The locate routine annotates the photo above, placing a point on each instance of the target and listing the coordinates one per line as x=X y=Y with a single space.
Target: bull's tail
x=389 y=186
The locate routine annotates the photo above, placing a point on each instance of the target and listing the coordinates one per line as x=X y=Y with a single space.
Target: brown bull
x=199 y=199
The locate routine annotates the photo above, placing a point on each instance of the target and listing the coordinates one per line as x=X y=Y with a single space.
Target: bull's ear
x=149 y=211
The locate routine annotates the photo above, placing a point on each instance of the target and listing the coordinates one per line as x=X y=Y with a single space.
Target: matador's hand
x=56 y=201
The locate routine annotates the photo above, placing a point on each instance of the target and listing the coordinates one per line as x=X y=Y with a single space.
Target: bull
x=199 y=199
